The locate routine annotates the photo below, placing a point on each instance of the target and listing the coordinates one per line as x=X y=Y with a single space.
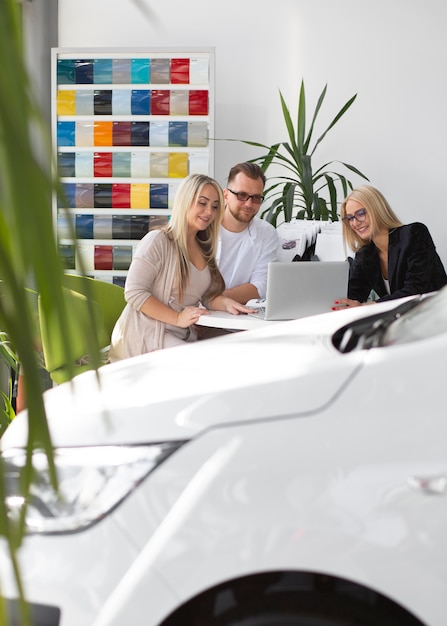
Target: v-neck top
x=199 y=281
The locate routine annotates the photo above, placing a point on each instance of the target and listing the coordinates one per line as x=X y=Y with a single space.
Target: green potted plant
x=28 y=254
x=304 y=191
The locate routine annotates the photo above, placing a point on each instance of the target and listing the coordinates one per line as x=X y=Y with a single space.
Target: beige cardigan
x=152 y=272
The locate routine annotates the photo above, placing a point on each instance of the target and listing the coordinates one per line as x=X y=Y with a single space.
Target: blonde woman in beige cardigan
x=174 y=275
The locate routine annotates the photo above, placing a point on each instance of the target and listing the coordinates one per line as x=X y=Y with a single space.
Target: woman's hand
x=224 y=303
x=344 y=303
x=189 y=316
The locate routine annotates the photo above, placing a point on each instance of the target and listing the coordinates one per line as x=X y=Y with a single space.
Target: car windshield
x=419 y=318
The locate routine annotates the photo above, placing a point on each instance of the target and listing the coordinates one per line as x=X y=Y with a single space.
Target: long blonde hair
x=380 y=215
x=186 y=197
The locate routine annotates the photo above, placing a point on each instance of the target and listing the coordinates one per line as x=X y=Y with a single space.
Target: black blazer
x=414 y=266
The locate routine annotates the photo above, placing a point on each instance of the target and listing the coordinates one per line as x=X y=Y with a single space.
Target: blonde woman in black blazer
x=393 y=259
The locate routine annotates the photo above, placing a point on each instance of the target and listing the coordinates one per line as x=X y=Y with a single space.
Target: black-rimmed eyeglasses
x=243 y=197
x=359 y=215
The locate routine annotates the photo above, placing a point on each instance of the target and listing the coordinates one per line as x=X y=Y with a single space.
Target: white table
x=221 y=319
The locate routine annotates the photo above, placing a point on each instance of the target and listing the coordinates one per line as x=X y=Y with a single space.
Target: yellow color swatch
x=178 y=164
x=66 y=102
x=139 y=196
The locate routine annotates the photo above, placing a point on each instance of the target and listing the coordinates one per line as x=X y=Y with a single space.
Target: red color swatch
x=122 y=133
x=102 y=164
x=160 y=102
x=179 y=71
x=103 y=257
x=198 y=102
x=121 y=196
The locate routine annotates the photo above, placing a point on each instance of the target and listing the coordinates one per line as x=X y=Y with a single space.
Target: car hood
x=286 y=369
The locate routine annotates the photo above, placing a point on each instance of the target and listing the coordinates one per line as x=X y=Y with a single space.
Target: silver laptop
x=302 y=288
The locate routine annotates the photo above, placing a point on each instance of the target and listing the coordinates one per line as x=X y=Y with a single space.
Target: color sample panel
x=198 y=163
x=140 y=102
x=178 y=164
x=160 y=69
x=121 y=101
x=122 y=134
x=66 y=102
x=139 y=226
x=102 y=227
x=160 y=102
x=103 y=133
x=197 y=134
x=103 y=102
x=179 y=71
x=65 y=226
x=139 y=196
x=103 y=164
x=122 y=257
x=120 y=196
x=158 y=221
x=121 y=71
x=159 y=165
x=68 y=198
x=121 y=164
x=85 y=102
x=85 y=136
x=85 y=257
x=172 y=191
x=139 y=133
x=198 y=102
x=140 y=70
x=84 y=226
x=84 y=195
x=102 y=196
x=66 y=73
x=139 y=165
x=84 y=71
x=178 y=102
x=103 y=257
x=159 y=196
x=66 y=164
x=102 y=71
x=159 y=134
x=119 y=280
x=67 y=255
x=199 y=71
x=66 y=133
x=121 y=226
x=84 y=164
x=178 y=134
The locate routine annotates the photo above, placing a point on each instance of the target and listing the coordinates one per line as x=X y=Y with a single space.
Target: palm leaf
x=289 y=124
x=342 y=111
x=28 y=250
x=314 y=118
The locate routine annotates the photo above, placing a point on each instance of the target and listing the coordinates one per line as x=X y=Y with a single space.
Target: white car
x=288 y=476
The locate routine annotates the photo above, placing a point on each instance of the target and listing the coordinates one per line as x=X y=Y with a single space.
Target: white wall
x=393 y=54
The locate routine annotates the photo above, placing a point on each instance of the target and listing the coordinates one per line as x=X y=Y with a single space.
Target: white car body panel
x=300 y=458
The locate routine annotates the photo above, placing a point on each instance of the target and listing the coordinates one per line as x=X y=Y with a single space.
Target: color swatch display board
x=128 y=126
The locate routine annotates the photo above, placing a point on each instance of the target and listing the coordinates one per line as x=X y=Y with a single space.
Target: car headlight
x=92 y=482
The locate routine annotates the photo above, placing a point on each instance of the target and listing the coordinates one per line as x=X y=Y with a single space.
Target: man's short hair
x=252 y=170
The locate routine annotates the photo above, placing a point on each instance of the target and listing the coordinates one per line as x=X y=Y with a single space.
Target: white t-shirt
x=244 y=257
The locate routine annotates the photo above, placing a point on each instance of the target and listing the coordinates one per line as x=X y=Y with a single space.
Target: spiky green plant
x=303 y=190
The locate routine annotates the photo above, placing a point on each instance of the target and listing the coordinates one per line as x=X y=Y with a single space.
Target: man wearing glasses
x=247 y=243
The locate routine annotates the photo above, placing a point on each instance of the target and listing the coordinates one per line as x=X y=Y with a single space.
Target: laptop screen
x=305 y=288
